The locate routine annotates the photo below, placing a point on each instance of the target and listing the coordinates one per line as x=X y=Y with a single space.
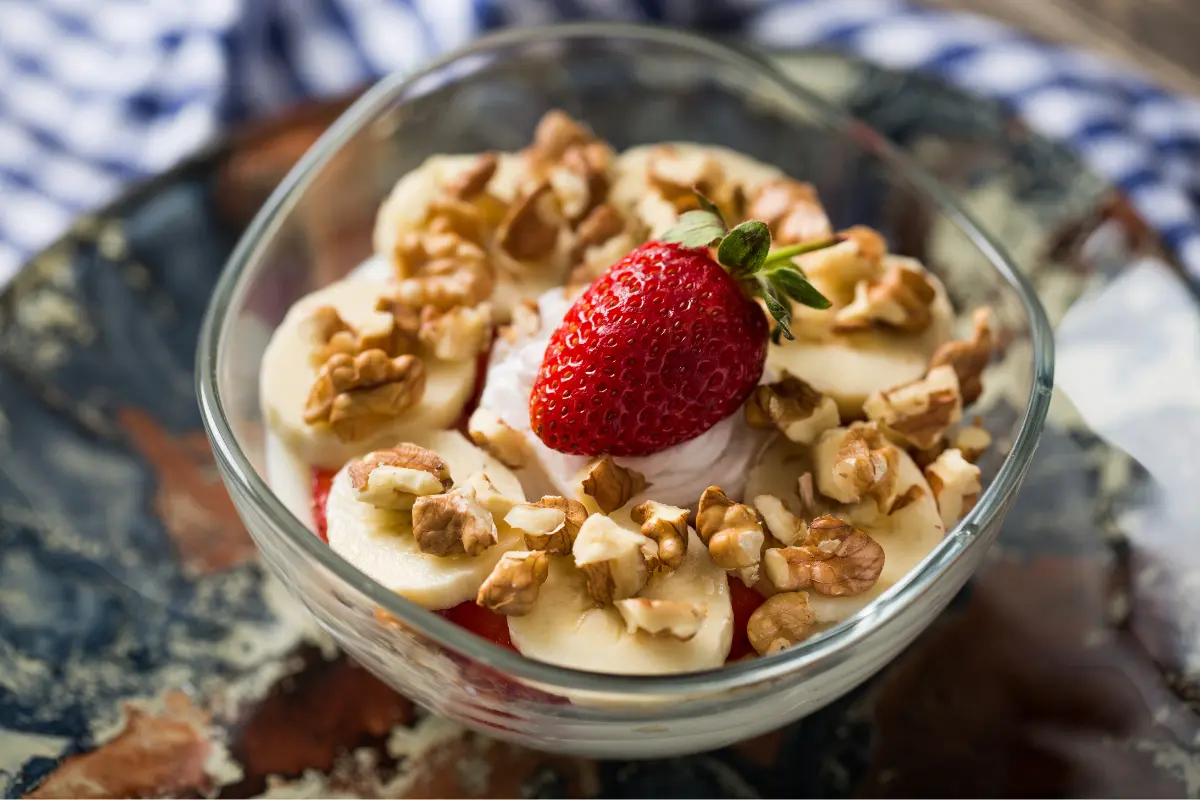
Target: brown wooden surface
x=1158 y=37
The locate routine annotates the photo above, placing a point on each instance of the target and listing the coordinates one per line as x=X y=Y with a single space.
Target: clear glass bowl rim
x=830 y=647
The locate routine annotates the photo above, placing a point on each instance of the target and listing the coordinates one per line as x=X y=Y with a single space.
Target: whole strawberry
x=668 y=342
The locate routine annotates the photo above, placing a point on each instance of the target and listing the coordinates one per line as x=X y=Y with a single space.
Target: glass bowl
x=632 y=86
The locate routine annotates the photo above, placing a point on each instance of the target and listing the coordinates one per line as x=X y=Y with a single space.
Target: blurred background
x=95 y=94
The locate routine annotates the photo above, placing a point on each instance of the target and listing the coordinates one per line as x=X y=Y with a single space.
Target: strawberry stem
x=746 y=252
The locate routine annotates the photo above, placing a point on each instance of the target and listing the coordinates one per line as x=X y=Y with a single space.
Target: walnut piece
x=452 y=524
x=512 y=587
x=797 y=410
x=330 y=335
x=968 y=358
x=612 y=486
x=855 y=463
x=782 y=523
x=557 y=538
x=498 y=439
x=475 y=179
x=394 y=478
x=556 y=133
x=526 y=322
x=731 y=531
x=356 y=395
x=955 y=484
x=836 y=559
x=611 y=558
x=458 y=238
x=457 y=333
x=602 y=224
x=529 y=231
x=918 y=413
x=667 y=527
x=837 y=270
x=901 y=300
x=791 y=210
x=668 y=618
x=781 y=621
x=489 y=496
x=972 y=441
x=447 y=283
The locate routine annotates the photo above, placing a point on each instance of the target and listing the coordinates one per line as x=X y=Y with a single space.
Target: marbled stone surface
x=143 y=652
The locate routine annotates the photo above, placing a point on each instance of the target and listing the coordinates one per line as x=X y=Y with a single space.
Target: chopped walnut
x=968 y=358
x=791 y=210
x=447 y=283
x=675 y=175
x=810 y=503
x=512 y=587
x=667 y=527
x=955 y=484
x=556 y=133
x=611 y=558
x=452 y=524
x=458 y=333
x=669 y=618
x=457 y=239
x=797 y=410
x=489 y=496
x=612 y=486
x=526 y=322
x=781 y=621
x=550 y=524
x=475 y=179
x=581 y=180
x=396 y=477
x=529 y=232
x=836 y=559
x=855 y=463
x=918 y=413
x=731 y=531
x=356 y=395
x=498 y=439
x=602 y=224
x=782 y=523
x=857 y=257
x=972 y=441
x=923 y=457
x=543 y=528
x=393 y=333
x=902 y=299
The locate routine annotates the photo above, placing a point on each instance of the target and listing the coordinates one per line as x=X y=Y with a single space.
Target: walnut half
x=357 y=395
x=612 y=486
x=918 y=413
x=797 y=410
x=611 y=558
x=512 y=587
x=780 y=622
x=453 y=524
x=667 y=526
x=396 y=477
x=836 y=559
x=669 y=618
x=732 y=532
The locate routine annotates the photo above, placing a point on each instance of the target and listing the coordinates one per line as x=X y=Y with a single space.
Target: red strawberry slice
x=668 y=342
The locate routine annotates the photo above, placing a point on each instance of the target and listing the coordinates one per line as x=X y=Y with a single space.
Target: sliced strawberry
x=322 y=481
x=744 y=600
x=481 y=622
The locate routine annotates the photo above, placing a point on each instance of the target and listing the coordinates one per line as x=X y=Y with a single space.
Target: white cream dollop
x=721 y=456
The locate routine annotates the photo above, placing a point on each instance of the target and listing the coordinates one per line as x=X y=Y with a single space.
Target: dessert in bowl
x=619 y=413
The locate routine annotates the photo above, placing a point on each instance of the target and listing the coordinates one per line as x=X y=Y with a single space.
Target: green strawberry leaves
x=746 y=252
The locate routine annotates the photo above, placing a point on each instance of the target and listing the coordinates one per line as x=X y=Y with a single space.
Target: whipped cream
x=721 y=456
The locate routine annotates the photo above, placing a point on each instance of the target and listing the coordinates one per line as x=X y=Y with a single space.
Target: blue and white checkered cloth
x=97 y=93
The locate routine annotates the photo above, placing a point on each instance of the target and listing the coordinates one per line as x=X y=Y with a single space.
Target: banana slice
x=850 y=367
x=287 y=376
x=380 y=542
x=907 y=536
x=632 y=192
x=566 y=628
x=406 y=207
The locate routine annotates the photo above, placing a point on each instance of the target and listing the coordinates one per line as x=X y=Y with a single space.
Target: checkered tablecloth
x=97 y=93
